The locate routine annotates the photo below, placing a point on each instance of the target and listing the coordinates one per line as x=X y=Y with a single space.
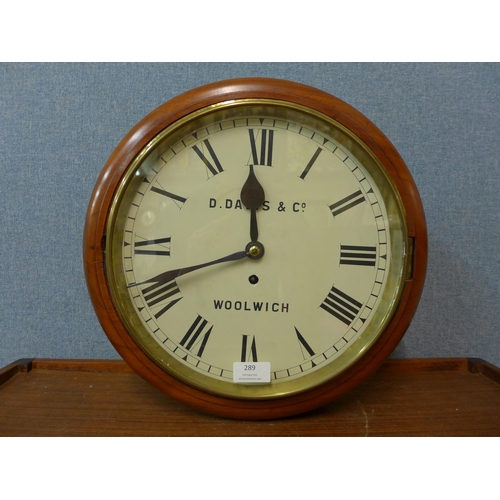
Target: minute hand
x=168 y=276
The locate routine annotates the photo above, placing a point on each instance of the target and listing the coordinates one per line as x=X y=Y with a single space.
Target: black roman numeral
x=310 y=164
x=304 y=346
x=159 y=292
x=346 y=203
x=178 y=200
x=157 y=247
x=197 y=336
x=262 y=148
x=340 y=305
x=213 y=166
x=248 y=353
x=352 y=255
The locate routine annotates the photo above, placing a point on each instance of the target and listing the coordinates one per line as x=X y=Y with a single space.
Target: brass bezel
x=399 y=270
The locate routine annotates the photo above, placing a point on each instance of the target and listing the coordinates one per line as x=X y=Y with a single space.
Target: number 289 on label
x=252 y=373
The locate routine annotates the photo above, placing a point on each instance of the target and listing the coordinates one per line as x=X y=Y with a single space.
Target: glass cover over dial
x=256 y=230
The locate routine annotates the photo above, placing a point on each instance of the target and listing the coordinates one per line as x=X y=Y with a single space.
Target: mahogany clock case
x=94 y=244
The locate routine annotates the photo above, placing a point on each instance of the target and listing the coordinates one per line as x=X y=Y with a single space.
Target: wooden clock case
x=94 y=245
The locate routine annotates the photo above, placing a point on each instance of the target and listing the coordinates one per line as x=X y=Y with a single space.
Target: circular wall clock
x=255 y=248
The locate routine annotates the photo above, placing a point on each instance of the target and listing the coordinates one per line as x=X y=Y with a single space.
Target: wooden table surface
x=419 y=397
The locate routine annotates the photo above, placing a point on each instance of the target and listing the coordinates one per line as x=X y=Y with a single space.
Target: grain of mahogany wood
x=454 y=397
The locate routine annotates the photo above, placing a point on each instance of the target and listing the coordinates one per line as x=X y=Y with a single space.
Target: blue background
x=60 y=122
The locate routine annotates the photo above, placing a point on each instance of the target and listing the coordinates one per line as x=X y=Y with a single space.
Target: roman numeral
x=214 y=167
x=159 y=292
x=160 y=244
x=197 y=336
x=310 y=164
x=262 y=147
x=340 y=305
x=352 y=255
x=178 y=200
x=346 y=203
x=304 y=346
x=248 y=353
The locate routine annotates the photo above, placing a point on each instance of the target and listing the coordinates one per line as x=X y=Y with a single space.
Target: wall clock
x=255 y=248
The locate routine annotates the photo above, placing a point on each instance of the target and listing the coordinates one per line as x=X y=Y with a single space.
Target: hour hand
x=252 y=197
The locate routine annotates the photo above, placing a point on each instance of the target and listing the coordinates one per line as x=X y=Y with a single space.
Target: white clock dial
x=330 y=236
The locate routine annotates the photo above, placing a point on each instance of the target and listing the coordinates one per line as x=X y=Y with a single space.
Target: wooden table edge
x=471 y=365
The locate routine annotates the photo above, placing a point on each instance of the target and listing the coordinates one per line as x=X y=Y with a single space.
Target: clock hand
x=252 y=196
x=168 y=276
